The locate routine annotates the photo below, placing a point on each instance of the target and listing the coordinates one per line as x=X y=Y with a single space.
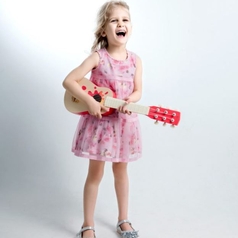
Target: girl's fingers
x=124 y=110
x=104 y=109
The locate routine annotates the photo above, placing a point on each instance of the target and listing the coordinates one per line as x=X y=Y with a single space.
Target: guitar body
x=79 y=107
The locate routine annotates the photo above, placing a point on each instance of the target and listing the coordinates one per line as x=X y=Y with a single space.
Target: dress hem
x=99 y=158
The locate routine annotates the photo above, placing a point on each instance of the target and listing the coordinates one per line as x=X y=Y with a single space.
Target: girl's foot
x=125 y=229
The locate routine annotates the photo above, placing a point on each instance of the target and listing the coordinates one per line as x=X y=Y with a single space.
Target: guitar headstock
x=164 y=115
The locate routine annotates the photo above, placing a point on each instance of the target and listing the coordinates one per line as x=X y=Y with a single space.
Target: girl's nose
x=120 y=23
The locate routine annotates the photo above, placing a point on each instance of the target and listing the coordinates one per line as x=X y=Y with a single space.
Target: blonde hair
x=102 y=19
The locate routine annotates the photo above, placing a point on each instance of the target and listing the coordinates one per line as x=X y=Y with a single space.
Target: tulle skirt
x=115 y=138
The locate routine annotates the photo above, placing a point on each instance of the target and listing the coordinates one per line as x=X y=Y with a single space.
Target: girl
x=116 y=137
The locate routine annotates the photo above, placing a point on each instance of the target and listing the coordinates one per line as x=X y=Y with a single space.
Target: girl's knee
x=96 y=171
x=119 y=169
x=95 y=176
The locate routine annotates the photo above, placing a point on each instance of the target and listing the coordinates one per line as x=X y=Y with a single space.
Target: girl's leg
x=121 y=182
x=94 y=177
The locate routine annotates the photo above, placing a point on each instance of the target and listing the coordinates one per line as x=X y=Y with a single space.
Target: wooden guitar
x=108 y=98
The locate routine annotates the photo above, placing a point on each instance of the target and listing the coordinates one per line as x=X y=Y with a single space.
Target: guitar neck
x=116 y=103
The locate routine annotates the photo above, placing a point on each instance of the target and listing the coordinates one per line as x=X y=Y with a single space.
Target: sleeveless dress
x=116 y=137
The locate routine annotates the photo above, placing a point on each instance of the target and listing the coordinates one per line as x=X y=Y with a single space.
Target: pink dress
x=116 y=137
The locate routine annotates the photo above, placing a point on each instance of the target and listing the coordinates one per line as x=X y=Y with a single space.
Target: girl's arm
x=136 y=94
x=70 y=83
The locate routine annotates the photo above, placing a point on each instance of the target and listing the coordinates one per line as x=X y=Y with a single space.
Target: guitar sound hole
x=97 y=97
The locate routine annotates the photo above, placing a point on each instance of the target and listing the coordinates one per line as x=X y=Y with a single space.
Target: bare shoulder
x=138 y=61
x=92 y=59
x=84 y=68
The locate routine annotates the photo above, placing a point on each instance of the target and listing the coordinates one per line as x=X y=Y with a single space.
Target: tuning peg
x=156 y=122
x=157 y=109
x=173 y=126
x=164 y=124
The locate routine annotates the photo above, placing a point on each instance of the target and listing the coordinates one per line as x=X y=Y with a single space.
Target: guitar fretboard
x=115 y=103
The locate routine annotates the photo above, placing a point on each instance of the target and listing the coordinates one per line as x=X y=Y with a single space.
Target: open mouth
x=121 y=33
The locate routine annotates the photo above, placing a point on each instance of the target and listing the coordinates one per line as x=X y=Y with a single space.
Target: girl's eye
x=113 y=20
x=125 y=20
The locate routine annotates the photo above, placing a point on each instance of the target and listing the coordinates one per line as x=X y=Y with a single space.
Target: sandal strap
x=123 y=221
x=86 y=228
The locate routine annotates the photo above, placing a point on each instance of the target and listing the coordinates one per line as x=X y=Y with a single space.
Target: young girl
x=115 y=137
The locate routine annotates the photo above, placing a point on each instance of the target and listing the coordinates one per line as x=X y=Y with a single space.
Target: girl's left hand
x=123 y=108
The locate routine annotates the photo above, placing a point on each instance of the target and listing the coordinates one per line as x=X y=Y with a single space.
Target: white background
x=186 y=184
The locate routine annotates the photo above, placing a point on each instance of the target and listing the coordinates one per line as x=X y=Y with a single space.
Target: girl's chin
x=122 y=39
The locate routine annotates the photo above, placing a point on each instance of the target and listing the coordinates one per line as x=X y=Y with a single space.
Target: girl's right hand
x=96 y=109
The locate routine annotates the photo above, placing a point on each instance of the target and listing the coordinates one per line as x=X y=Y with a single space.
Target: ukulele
x=108 y=98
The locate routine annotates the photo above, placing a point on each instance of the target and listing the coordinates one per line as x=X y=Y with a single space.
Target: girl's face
x=118 y=27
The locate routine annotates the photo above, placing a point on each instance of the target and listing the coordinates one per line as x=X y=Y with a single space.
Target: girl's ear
x=103 y=34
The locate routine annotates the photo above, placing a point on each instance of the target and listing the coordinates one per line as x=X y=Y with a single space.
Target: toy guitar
x=108 y=98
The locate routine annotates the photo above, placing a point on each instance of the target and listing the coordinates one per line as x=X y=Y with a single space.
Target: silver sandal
x=80 y=234
x=126 y=234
